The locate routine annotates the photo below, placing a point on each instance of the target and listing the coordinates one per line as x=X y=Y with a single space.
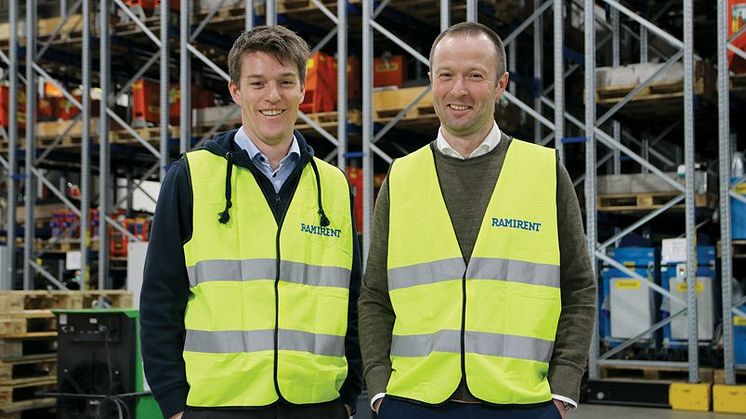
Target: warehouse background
x=643 y=99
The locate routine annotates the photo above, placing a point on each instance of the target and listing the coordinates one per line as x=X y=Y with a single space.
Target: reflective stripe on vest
x=263 y=340
x=243 y=309
x=479 y=268
x=511 y=284
x=246 y=270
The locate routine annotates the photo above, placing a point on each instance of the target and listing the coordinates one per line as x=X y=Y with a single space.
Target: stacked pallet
x=28 y=344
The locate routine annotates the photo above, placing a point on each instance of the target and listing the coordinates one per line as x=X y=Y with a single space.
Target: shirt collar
x=245 y=143
x=489 y=144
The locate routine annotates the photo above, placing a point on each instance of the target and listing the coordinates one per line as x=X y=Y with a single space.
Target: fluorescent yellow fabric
x=512 y=298
x=238 y=293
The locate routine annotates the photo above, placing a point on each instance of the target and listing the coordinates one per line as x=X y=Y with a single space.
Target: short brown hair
x=278 y=41
x=475 y=29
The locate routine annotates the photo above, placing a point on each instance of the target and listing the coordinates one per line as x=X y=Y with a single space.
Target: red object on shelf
x=151 y=5
x=46 y=109
x=736 y=21
x=353 y=76
x=5 y=107
x=200 y=99
x=355 y=177
x=321 y=84
x=65 y=109
x=146 y=105
x=138 y=227
x=389 y=70
x=145 y=101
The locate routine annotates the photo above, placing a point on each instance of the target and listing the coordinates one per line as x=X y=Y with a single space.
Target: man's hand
x=377 y=405
x=561 y=407
x=177 y=416
x=349 y=409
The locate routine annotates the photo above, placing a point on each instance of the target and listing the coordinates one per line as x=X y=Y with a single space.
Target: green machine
x=99 y=368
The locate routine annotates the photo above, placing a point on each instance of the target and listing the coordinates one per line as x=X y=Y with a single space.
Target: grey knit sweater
x=467 y=186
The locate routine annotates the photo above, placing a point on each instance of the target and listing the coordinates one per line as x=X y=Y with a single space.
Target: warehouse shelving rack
x=187 y=50
x=725 y=148
x=594 y=133
x=552 y=122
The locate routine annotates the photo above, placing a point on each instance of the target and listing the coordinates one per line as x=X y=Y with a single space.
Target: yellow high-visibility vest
x=493 y=320
x=268 y=304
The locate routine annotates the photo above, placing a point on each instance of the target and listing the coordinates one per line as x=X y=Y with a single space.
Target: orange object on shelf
x=389 y=70
x=737 y=20
x=321 y=84
x=50 y=90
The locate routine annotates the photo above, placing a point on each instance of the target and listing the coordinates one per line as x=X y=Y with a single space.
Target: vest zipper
x=277 y=311
x=463 y=328
x=280 y=223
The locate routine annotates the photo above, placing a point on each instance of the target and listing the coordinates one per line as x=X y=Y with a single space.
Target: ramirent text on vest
x=321 y=231
x=513 y=223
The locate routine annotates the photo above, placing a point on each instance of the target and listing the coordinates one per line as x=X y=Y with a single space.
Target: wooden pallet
x=5 y=146
x=149 y=134
x=15 y=410
x=294 y=6
x=22 y=369
x=69 y=245
x=20 y=397
x=719 y=377
x=15 y=304
x=645 y=201
x=354 y=116
x=16 y=348
x=738 y=249
x=28 y=323
x=738 y=85
x=231 y=11
x=14 y=301
x=117 y=298
x=51 y=129
x=388 y=103
x=617 y=93
x=658 y=374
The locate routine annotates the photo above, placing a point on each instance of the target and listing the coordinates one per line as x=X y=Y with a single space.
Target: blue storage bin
x=643 y=261
x=738 y=212
x=739 y=338
x=706 y=265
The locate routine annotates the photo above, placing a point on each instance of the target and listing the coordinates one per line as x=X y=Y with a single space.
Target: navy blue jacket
x=165 y=289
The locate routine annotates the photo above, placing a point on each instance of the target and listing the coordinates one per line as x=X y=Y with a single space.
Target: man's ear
x=502 y=84
x=235 y=92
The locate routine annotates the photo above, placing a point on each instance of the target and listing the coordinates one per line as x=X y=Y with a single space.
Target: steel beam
x=30 y=185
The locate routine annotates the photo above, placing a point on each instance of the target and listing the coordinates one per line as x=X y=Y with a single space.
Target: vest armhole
x=189 y=195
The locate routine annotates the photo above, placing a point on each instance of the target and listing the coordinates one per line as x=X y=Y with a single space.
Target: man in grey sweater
x=478 y=298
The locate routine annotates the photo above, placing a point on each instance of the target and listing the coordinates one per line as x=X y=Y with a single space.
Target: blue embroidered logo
x=513 y=223
x=321 y=231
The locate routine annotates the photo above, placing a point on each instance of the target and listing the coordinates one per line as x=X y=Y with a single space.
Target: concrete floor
x=595 y=411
